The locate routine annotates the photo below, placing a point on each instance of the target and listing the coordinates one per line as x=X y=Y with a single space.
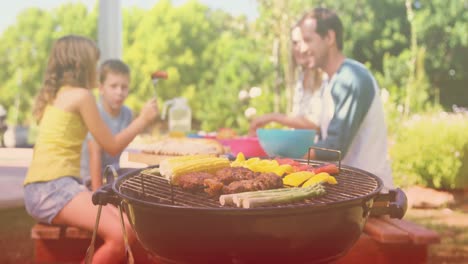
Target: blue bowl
x=291 y=143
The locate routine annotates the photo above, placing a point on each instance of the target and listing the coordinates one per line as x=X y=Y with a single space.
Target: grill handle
x=105 y=194
x=338 y=154
x=394 y=203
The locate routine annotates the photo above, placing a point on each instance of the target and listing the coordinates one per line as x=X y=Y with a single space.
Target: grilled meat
x=264 y=181
x=231 y=174
x=213 y=187
x=194 y=181
x=229 y=180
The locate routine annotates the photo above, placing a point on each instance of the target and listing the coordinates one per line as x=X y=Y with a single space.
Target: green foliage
x=192 y=44
x=24 y=50
x=241 y=67
x=432 y=150
x=395 y=76
x=418 y=86
x=211 y=56
x=442 y=28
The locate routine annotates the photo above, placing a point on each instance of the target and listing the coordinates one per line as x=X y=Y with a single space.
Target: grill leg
x=128 y=250
x=90 y=251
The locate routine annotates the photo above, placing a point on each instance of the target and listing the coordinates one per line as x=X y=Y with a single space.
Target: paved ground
x=14 y=163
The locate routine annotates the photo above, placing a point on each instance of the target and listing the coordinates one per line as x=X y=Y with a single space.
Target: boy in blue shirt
x=114 y=77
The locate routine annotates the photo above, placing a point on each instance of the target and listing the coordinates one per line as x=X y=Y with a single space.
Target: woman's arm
x=289 y=121
x=298 y=122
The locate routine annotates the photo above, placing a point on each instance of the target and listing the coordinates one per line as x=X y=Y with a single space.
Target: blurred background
x=232 y=61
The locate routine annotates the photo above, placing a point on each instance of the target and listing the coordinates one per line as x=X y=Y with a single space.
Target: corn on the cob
x=173 y=167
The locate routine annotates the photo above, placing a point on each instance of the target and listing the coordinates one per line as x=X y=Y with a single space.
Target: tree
x=24 y=50
x=211 y=56
x=171 y=39
x=275 y=23
x=22 y=46
x=442 y=27
x=236 y=63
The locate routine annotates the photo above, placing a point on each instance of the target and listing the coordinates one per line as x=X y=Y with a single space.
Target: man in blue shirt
x=352 y=116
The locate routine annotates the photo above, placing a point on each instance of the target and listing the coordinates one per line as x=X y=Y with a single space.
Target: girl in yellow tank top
x=66 y=110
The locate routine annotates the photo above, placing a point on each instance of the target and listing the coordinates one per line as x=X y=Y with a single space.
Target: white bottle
x=180 y=115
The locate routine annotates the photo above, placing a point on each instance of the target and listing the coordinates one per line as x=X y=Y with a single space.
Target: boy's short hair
x=113 y=66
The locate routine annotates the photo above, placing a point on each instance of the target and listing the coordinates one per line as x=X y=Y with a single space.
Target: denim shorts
x=44 y=200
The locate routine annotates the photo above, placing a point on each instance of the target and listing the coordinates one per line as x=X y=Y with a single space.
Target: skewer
x=156 y=76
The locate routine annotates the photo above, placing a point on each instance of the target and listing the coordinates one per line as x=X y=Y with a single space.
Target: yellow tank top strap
x=57 y=151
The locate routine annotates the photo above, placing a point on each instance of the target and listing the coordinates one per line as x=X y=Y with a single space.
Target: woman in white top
x=306 y=100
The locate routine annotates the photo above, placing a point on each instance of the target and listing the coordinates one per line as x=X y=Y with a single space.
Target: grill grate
x=352 y=184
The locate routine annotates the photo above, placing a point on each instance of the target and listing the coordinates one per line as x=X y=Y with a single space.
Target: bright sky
x=10 y=8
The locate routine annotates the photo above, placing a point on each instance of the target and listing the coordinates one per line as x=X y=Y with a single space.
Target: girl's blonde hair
x=72 y=62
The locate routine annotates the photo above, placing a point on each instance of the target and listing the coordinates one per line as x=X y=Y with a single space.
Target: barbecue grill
x=181 y=227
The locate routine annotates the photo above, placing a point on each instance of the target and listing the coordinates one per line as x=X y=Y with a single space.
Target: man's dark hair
x=114 y=66
x=326 y=20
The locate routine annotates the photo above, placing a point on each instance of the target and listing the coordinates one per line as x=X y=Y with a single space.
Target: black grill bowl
x=303 y=235
x=179 y=227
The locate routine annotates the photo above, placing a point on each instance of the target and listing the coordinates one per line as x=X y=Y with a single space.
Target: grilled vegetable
x=271 y=197
x=236 y=198
x=173 y=167
x=152 y=171
x=297 y=178
x=239 y=161
x=286 y=197
x=262 y=165
x=319 y=178
x=287 y=161
x=329 y=168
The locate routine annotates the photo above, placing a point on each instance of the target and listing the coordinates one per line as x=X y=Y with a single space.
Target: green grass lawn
x=452 y=226
x=16 y=245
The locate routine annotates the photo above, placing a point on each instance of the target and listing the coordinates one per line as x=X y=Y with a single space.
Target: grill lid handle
x=337 y=152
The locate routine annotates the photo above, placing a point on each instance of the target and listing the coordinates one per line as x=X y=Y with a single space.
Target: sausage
x=329 y=168
x=159 y=75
